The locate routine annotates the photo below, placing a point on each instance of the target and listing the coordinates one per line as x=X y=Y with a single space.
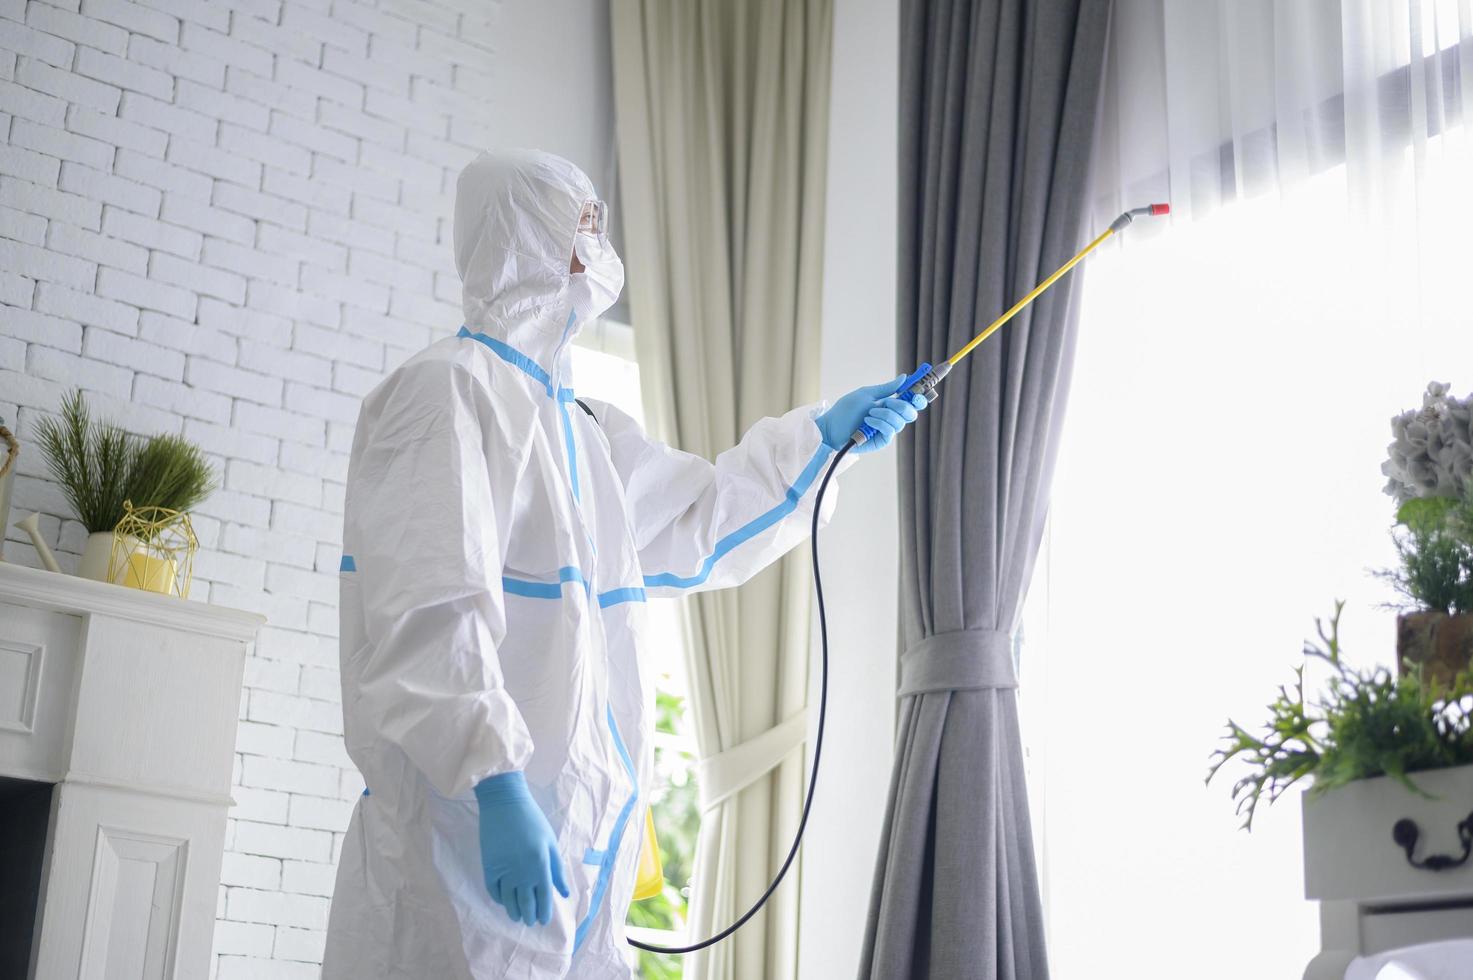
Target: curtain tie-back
x=727 y=773
x=964 y=660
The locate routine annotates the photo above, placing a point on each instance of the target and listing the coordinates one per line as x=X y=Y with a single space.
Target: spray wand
x=924 y=379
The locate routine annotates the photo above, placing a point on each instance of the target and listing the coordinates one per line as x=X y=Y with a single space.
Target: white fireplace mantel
x=126 y=702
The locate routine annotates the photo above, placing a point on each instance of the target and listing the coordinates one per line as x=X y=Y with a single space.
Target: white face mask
x=595 y=289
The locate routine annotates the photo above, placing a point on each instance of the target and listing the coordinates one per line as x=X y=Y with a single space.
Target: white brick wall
x=229 y=218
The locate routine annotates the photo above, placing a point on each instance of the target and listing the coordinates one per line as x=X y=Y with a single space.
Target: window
x=604 y=368
x=1217 y=490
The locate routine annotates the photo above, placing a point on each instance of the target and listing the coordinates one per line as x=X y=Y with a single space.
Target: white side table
x=1372 y=897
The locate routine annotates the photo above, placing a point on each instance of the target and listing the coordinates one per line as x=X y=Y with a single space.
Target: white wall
x=859 y=549
x=229 y=218
x=552 y=80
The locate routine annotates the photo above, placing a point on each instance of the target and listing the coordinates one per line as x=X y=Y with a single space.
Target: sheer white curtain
x=1218 y=486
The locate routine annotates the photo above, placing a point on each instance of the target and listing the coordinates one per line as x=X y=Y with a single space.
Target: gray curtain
x=723 y=137
x=998 y=102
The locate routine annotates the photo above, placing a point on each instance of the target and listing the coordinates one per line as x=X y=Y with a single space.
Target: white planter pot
x=95 y=556
x=1372 y=897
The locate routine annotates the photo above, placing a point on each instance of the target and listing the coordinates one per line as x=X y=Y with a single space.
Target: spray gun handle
x=922 y=381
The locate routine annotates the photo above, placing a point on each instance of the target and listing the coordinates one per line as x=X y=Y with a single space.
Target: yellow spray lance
x=925 y=378
x=922 y=381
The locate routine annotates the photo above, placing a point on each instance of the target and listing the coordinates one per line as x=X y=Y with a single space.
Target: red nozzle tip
x=1160 y=209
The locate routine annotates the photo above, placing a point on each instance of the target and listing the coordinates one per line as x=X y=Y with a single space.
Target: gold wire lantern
x=153 y=549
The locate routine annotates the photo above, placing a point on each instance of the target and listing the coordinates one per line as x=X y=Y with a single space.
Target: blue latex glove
x=518 y=849
x=885 y=413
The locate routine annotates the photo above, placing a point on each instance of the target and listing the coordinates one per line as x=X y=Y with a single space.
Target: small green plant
x=100 y=467
x=170 y=471
x=1369 y=723
x=90 y=460
x=1434 y=541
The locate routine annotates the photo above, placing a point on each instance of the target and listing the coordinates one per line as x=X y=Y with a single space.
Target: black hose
x=823 y=702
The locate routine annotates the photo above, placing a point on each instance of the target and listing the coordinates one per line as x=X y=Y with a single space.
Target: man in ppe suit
x=500 y=540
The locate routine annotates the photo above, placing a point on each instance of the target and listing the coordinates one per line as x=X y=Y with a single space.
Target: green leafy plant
x=170 y=471
x=1434 y=542
x=100 y=467
x=1368 y=723
x=90 y=460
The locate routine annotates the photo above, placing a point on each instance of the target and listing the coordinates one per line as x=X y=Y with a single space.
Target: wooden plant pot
x=1441 y=643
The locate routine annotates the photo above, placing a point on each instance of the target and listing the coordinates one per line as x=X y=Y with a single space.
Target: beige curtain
x=722 y=112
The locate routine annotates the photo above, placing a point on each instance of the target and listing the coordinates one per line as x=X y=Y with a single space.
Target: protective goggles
x=594 y=219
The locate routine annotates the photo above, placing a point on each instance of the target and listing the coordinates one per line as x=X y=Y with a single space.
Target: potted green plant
x=1388 y=816
x=103 y=469
x=1428 y=470
x=1368 y=723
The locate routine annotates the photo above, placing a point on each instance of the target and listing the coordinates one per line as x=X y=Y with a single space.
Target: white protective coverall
x=499 y=545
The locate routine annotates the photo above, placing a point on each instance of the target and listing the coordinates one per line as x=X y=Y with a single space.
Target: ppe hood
x=516 y=217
